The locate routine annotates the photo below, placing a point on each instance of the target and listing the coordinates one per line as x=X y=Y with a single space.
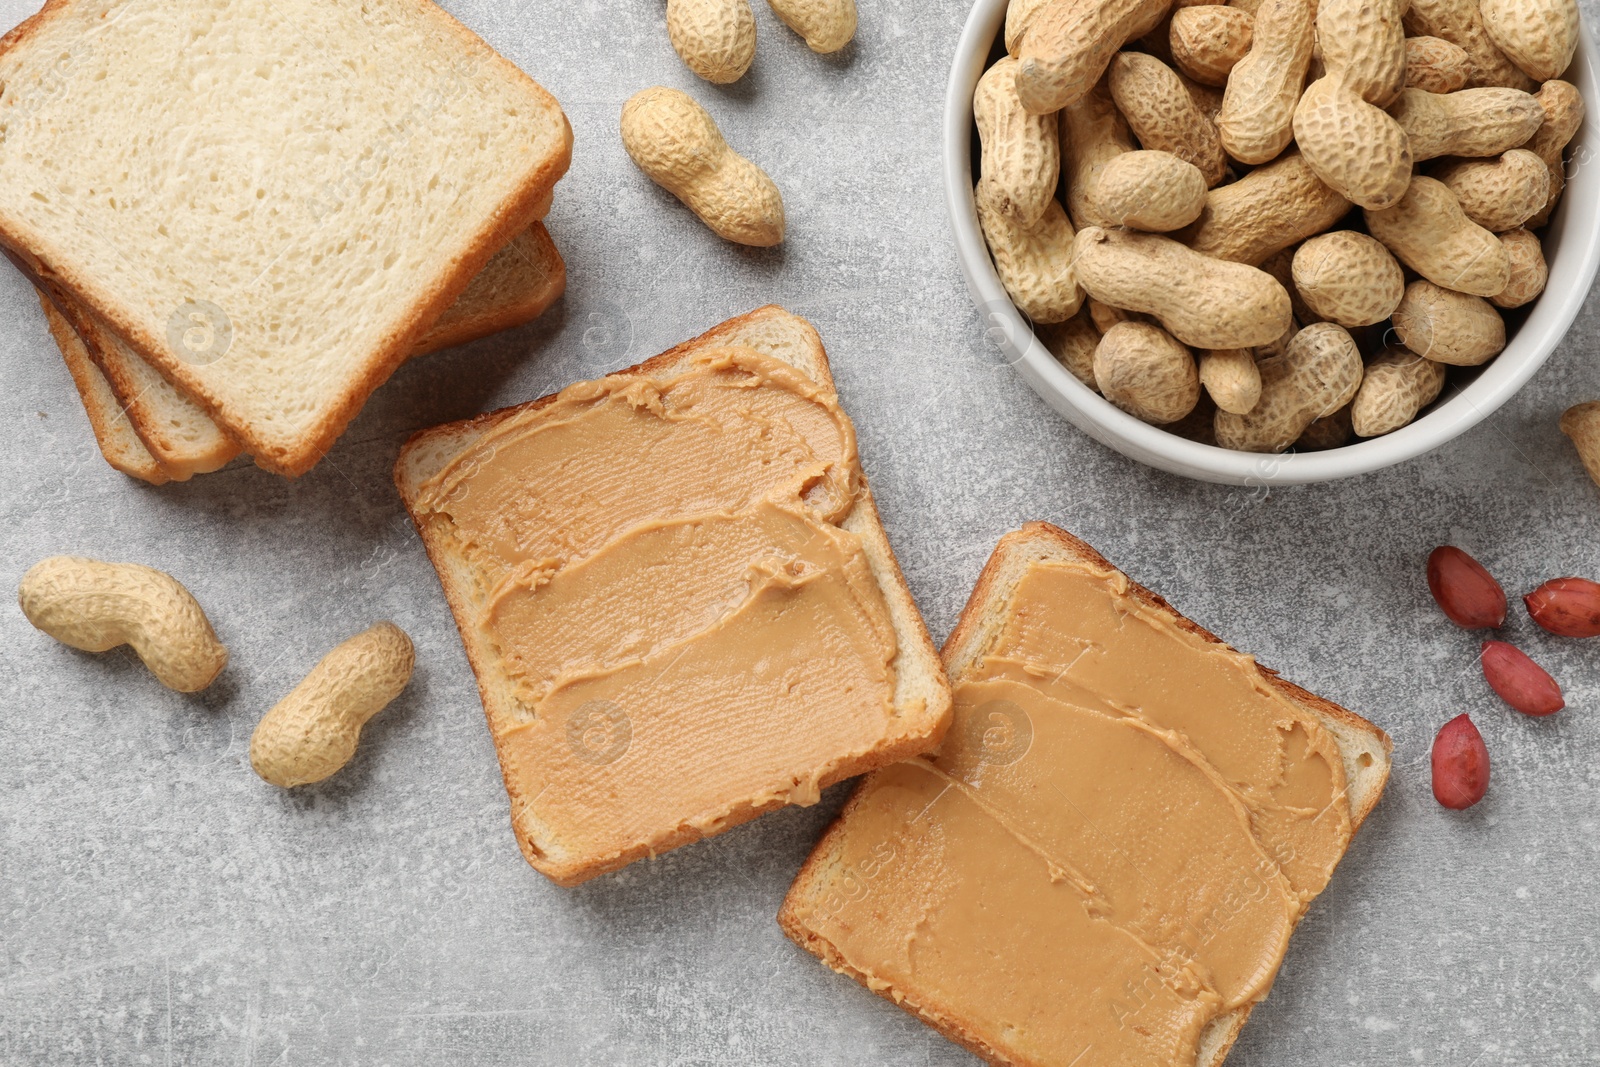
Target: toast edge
x=100 y=403
x=182 y=463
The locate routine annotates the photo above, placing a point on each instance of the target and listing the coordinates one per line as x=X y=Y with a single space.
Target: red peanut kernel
x=1466 y=592
x=1567 y=607
x=1519 y=681
x=1460 y=764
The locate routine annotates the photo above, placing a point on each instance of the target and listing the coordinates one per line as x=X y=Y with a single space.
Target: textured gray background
x=160 y=904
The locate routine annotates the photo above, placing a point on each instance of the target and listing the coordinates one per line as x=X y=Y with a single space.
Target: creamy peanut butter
x=934 y=901
x=558 y=481
x=1075 y=630
x=689 y=633
x=1142 y=826
x=1110 y=849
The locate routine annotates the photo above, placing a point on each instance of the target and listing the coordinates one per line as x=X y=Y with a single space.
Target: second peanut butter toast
x=1106 y=858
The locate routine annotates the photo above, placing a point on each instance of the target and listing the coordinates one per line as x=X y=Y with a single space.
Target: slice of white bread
x=113 y=432
x=1364 y=747
x=920 y=680
x=314 y=182
x=517 y=286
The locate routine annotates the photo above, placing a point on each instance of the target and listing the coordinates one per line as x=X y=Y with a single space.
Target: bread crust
x=528 y=306
x=119 y=445
x=291 y=459
x=916 y=645
x=965 y=646
x=183 y=460
x=173 y=466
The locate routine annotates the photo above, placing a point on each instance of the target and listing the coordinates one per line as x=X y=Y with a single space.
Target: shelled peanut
x=1308 y=251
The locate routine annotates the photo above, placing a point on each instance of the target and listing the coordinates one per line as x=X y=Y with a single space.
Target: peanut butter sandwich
x=677 y=597
x=1104 y=861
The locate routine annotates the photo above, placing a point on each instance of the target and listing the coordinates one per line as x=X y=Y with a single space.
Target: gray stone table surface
x=160 y=904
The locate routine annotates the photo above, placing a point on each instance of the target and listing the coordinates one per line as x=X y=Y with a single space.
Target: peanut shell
x=1208 y=40
x=1069 y=43
x=1152 y=191
x=1461 y=23
x=1232 y=378
x=1204 y=302
x=1163 y=115
x=1396 y=386
x=1499 y=194
x=1266 y=211
x=1447 y=326
x=1144 y=371
x=1021 y=153
x=1529 y=272
x=1430 y=233
x=1093 y=132
x=1318 y=374
x=1476 y=123
x=1435 y=65
x=1539 y=36
x=1257 y=119
x=1357 y=148
x=1348 y=278
x=1034 y=262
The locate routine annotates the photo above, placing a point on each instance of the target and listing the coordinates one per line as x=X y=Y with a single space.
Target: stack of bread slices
x=243 y=215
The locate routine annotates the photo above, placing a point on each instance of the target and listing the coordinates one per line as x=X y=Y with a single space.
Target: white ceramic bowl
x=1571 y=245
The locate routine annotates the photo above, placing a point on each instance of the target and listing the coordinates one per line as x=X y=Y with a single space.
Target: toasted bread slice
x=1364 y=748
x=518 y=285
x=303 y=225
x=113 y=432
x=921 y=689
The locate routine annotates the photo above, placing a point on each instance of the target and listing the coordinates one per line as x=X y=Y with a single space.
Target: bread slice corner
x=922 y=689
x=182 y=438
x=516 y=286
x=1365 y=748
x=114 y=434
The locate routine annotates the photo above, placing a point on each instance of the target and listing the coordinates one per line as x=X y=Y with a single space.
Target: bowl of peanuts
x=1279 y=241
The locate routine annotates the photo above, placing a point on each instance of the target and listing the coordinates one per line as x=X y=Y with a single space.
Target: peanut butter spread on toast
x=1109 y=851
x=1077 y=632
x=690 y=634
x=933 y=902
